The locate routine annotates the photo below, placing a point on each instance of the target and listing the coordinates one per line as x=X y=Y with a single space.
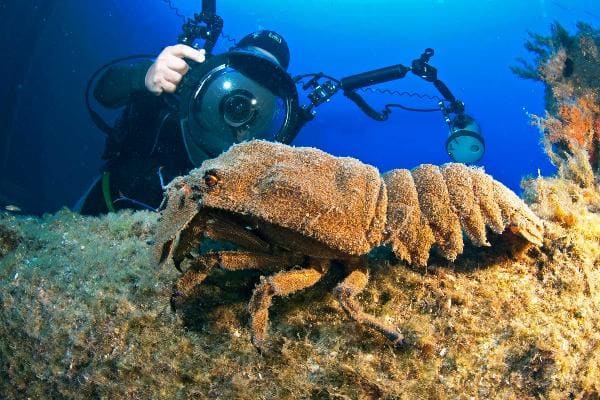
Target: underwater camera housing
x=236 y=96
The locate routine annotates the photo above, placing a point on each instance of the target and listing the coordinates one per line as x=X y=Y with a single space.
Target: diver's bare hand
x=169 y=68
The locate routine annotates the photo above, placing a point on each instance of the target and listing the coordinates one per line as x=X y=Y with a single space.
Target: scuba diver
x=189 y=105
x=147 y=137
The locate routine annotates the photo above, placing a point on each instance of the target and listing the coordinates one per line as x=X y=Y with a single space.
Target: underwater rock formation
x=569 y=67
x=85 y=314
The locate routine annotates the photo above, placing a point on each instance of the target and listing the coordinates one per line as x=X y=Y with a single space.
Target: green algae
x=86 y=315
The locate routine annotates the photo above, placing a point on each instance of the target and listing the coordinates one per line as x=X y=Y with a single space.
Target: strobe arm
x=351 y=83
x=419 y=67
x=374 y=77
x=465 y=142
x=422 y=69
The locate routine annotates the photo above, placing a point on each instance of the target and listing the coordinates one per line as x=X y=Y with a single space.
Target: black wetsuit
x=147 y=137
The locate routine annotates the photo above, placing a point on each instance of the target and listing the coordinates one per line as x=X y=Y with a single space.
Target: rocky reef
x=85 y=310
x=569 y=67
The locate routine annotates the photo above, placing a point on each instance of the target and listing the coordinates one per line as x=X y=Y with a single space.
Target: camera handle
x=207 y=26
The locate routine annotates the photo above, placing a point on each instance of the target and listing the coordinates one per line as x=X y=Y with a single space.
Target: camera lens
x=229 y=106
x=238 y=108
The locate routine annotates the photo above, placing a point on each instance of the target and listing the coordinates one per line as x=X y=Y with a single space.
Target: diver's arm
x=169 y=68
x=119 y=82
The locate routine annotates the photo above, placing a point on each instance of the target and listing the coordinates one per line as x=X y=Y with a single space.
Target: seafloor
x=85 y=310
x=85 y=314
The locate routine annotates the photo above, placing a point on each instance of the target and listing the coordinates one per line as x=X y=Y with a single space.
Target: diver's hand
x=169 y=68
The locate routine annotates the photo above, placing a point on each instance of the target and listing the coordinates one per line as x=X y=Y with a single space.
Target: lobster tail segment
x=407 y=228
x=432 y=207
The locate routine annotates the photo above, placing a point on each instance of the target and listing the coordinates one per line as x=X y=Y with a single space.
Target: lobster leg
x=281 y=284
x=346 y=293
x=202 y=266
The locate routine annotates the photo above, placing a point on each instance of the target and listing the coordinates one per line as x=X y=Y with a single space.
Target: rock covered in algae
x=85 y=314
x=569 y=65
x=9 y=240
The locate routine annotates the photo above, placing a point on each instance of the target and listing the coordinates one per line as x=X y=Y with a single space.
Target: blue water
x=51 y=149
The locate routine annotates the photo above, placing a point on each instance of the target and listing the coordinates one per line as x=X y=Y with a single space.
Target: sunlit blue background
x=51 y=149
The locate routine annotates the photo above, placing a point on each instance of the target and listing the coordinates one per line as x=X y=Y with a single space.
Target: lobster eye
x=211 y=179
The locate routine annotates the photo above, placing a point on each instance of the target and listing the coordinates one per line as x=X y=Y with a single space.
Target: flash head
x=465 y=143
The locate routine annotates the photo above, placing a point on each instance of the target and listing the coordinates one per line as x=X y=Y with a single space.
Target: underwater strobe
x=465 y=143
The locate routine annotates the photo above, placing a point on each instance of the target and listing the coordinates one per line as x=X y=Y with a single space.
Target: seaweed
x=569 y=66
